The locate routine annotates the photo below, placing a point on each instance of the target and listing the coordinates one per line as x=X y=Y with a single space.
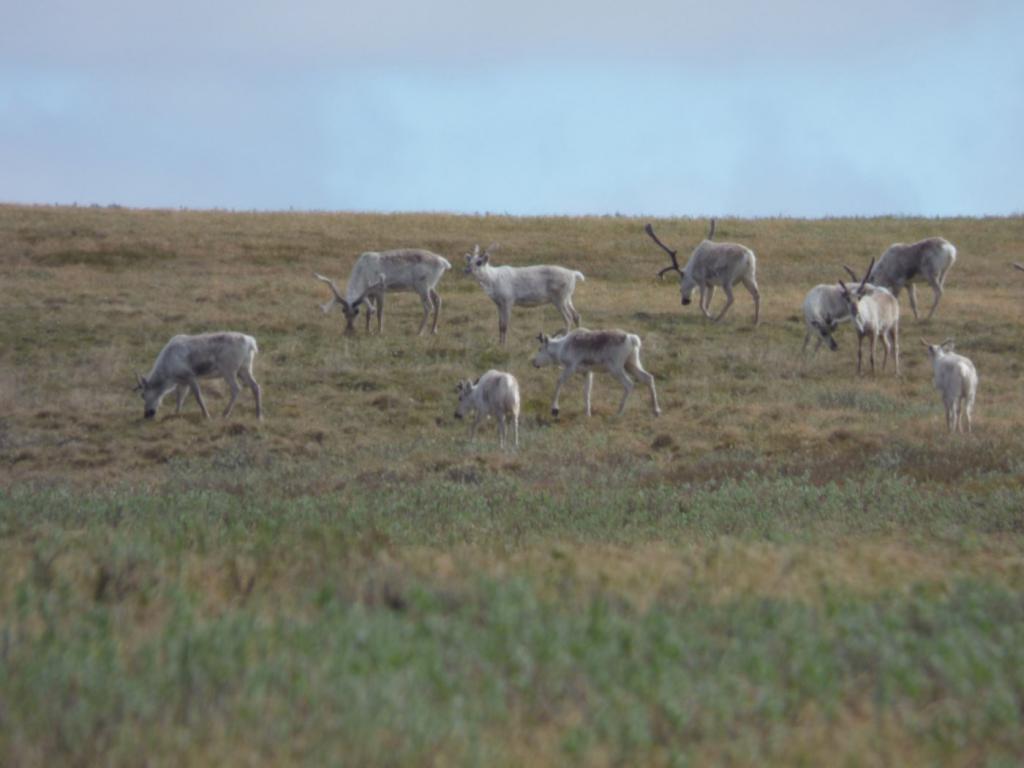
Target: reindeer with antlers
x=407 y=269
x=712 y=265
x=825 y=308
x=875 y=313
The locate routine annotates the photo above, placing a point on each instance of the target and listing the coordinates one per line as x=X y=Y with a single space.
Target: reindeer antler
x=334 y=287
x=871 y=265
x=851 y=273
x=711 y=231
x=671 y=254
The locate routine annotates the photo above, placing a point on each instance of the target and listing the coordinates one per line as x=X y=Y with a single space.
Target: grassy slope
x=354 y=576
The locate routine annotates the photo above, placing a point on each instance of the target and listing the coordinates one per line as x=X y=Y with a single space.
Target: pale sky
x=647 y=107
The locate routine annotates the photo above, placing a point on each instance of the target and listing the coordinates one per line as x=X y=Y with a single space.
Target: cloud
x=325 y=33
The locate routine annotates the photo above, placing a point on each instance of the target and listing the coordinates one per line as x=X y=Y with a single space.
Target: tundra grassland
x=792 y=565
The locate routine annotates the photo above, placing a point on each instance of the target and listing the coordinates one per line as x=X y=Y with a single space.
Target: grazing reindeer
x=824 y=309
x=524 y=287
x=186 y=359
x=957 y=380
x=496 y=394
x=711 y=265
x=581 y=350
x=876 y=313
x=903 y=264
x=374 y=274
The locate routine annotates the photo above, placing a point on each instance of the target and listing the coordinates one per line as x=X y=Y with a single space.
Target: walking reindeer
x=584 y=351
x=713 y=265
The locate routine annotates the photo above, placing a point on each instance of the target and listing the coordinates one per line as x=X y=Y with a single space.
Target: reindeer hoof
x=554 y=412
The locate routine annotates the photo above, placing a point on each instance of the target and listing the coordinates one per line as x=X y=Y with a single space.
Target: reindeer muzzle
x=149 y=414
x=685 y=302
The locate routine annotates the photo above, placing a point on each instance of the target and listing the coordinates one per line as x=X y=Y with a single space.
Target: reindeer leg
x=194 y=386
x=504 y=315
x=860 y=351
x=751 y=285
x=427 y=306
x=569 y=371
x=475 y=425
x=895 y=331
x=501 y=430
x=912 y=293
x=937 y=290
x=588 y=385
x=247 y=377
x=515 y=429
x=575 y=314
x=706 y=295
x=563 y=310
x=379 y=302
x=232 y=381
x=627 y=386
x=728 y=301
x=369 y=312
x=180 y=395
x=705 y=299
x=874 y=340
x=436 y=298
x=634 y=367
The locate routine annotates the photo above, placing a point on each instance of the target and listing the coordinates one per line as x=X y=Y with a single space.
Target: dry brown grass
x=92 y=294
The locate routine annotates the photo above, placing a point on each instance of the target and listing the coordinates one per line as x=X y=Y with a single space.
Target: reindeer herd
x=869 y=302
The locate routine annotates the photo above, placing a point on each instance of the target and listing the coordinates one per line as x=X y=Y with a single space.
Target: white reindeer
x=824 y=309
x=581 y=350
x=524 y=287
x=957 y=380
x=903 y=264
x=711 y=265
x=874 y=314
x=374 y=274
x=496 y=394
x=186 y=359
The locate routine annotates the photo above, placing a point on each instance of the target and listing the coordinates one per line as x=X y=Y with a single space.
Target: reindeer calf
x=496 y=394
x=186 y=359
x=957 y=381
x=582 y=350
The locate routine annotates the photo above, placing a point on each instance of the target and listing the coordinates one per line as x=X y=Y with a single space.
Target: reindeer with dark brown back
x=713 y=265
